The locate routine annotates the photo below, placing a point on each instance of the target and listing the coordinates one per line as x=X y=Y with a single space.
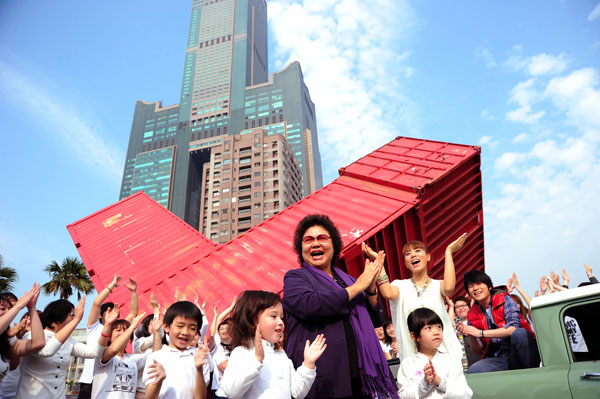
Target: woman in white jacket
x=43 y=373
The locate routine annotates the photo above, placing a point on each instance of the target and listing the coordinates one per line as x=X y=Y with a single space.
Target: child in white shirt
x=175 y=371
x=116 y=372
x=430 y=373
x=257 y=367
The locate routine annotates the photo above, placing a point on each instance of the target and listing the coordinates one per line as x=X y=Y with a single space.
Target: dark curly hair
x=245 y=314
x=318 y=220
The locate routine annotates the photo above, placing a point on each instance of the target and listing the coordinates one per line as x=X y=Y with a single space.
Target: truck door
x=582 y=327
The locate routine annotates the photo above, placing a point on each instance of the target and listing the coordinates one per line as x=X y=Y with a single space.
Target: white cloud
x=577 y=95
x=543 y=64
x=488 y=141
x=63 y=119
x=507 y=160
x=486 y=55
x=520 y=138
x=544 y=199
x=524 y=94
x=485 y=114
x=594 y=14
x=353 y=65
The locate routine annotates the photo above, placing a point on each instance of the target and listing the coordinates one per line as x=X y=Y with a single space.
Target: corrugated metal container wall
x=408 y=189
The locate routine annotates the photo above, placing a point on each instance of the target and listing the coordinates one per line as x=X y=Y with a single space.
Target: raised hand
x=155 y=324
x=136 y=320
x=79 y=309
x=515 y=281
x=197 y=300
x=112 y=314
x=153 y=301
x=368 y=252
x=177 y=295
x=543 y=285
x=588 y=270
x=312 y=352
x=35 y=294
x=202 y=353
x=457 y=244
x=115 y=281
x=259 y=351
x=131 y=285
x=566 y=277
x=509 y=285
x=203 y=306
x=157 y=371
x=16 y=329
x=555 y=277
x=24 y=300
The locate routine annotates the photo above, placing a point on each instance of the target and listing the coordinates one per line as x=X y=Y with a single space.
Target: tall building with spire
x=226 y=91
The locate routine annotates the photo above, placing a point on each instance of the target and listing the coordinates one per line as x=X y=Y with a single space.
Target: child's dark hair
x=387 y=338
x=421 y=317
x=56 y=312
x=185 y=309
x=10 y=297
x=477 y=276
x=317 y=220
x=245 y=315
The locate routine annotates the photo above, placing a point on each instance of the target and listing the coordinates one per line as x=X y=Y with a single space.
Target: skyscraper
x=226 y=90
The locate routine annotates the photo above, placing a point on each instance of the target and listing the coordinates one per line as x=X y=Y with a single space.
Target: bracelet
x=371 y=293
x=481 y=334
x=105 y=336
x=380 y=283
x=109 y=289
x=382 y=277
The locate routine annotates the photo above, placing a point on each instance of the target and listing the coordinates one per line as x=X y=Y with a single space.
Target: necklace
x=420 y=290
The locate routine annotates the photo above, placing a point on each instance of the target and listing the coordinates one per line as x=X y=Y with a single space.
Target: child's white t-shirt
x=411 y=378
x=117 y=378
x=245 y=377
x=180 y=369
x=407 y=301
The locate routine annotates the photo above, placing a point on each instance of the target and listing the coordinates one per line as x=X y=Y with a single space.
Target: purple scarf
x=374 y=370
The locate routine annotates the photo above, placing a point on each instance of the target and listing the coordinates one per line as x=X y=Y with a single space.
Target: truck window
x=583 y=327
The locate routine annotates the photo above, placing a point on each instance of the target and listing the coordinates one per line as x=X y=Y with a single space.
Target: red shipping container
x=408 y=189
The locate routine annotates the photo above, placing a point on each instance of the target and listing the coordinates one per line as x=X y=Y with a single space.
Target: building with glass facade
x=226 y=90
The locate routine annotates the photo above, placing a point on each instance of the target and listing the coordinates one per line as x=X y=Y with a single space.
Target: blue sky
x=521 y=79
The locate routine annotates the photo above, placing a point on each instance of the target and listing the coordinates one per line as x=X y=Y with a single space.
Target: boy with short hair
x=496 y=328
x=175 y=371
x=430 y=373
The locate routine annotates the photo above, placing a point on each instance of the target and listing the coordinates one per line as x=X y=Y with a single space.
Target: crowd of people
x=323 y=338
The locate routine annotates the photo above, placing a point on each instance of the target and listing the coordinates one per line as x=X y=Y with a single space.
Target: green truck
x=567 y=326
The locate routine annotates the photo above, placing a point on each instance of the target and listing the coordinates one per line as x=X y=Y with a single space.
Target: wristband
x=105 y=336
x=382 y=278
x=371 y=293
x=481 y=334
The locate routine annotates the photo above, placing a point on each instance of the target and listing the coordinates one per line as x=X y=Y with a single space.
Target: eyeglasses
x=321 y=238
x=461 y=306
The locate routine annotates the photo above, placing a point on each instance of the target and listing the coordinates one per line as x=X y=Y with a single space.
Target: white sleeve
x=52 y=346
x=141 y=345
x=204 y=327
x=88 y=351
x=242 y=370
x=412 y=383
x=302 y=380
x=455 y=385
x=149 y=360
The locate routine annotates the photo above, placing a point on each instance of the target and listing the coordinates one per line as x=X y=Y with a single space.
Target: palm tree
x=8 y=276
x=70 y=274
